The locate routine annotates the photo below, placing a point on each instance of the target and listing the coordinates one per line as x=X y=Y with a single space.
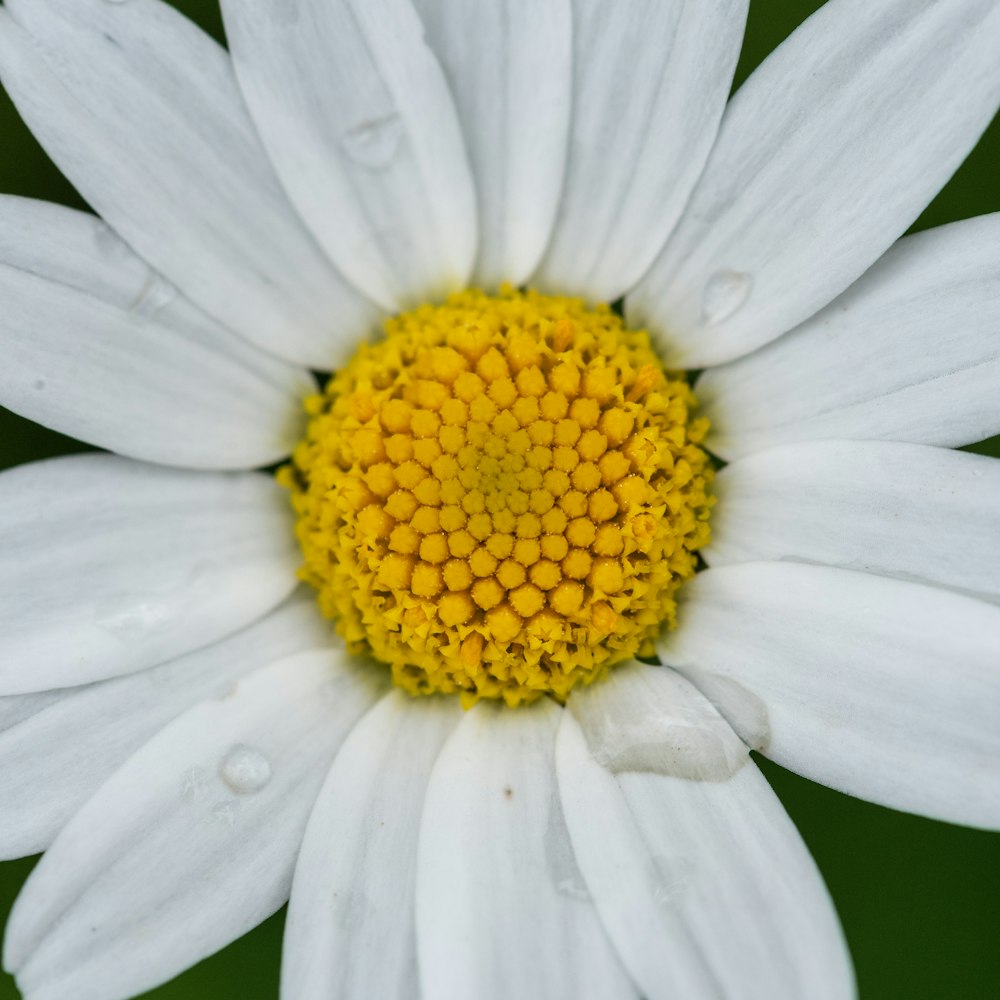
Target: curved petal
x=702 y=882
x=908 y=511
x=108 y=566
x=356 y=115
x=510 y=67
x=98 y=346
x=350 y=930
x=140 y=110
x=909 y=353
x=192 y=842
x=499 y=908
x=825 y=157
x=886 y=690
x=651 y=81
x=67 y=746
x=634 y=721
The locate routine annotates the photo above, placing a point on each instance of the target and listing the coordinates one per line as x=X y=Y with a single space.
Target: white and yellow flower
x=501 y=501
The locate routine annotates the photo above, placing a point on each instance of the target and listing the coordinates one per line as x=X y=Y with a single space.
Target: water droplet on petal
x=725 y=294
x=374 y=143
x=245 y=770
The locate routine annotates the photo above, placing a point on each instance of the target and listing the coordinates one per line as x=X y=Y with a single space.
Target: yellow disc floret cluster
x=501 y=498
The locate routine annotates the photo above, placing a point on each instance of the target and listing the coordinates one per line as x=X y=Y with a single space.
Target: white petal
x=825 y=157
x=911 y=352
x=82 y=252
x=909 y=511
x=98 y=346
x=351 y=930
x=500 y=912
x=15 y=709
x=703 y=883
x=650 y=85
x=108 y=566
x=193 y=840
x=509 y=64
x=141 y=111
x=886 y=690
x=356 y=115
x=68 y=746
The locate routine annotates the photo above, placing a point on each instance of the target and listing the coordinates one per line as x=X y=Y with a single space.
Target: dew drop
x=245 y=770
x=374 y=143
x=725 y=294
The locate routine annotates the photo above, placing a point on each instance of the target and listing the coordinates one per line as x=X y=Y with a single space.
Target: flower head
x=522 y=768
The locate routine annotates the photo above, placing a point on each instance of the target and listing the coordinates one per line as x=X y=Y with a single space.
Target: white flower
x=175 y=727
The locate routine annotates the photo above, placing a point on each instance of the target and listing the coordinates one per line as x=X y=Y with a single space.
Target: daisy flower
x=497 y=743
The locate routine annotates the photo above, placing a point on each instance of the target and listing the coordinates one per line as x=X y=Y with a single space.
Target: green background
x=919 y=900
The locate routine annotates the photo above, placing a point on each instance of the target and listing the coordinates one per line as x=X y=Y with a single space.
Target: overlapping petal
x=59 y=747
x=140 y=110
x=698 y=874
x=911 y=352
x=925 y=514
x=351 y=930
x=650 y=82
x=509 y=65
x=356 y=115
x=886 y=690
x=97 y=345
x=825 y=157
x=500 y=912
x=192 y=842
x=109 y=566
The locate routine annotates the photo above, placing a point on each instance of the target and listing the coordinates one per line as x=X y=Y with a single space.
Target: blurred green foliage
x=919 y=900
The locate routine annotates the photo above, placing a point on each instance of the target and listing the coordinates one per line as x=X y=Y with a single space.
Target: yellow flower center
x=501 y=498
